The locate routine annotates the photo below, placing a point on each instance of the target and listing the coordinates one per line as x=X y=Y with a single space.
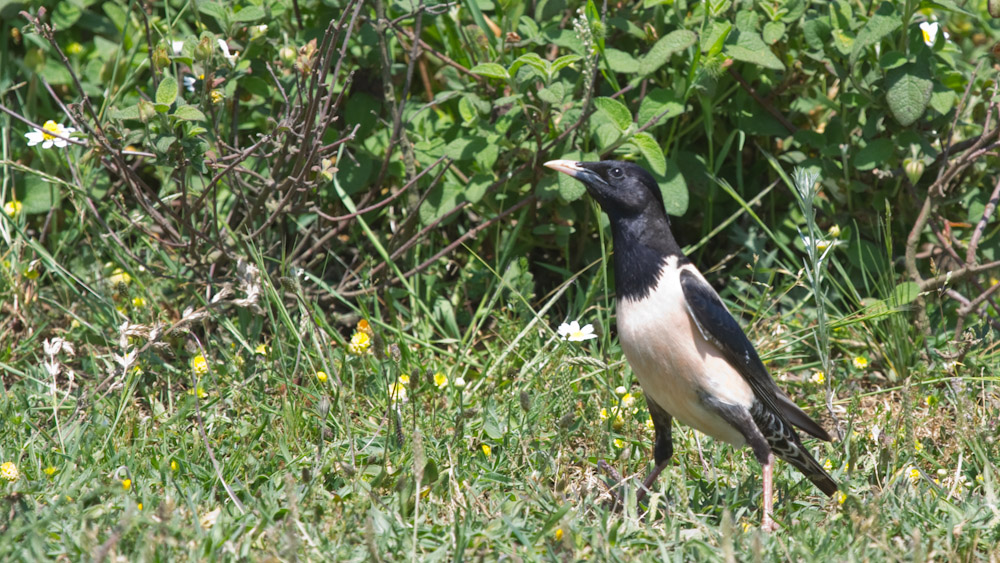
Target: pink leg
x=767 y=524
x=644 y=489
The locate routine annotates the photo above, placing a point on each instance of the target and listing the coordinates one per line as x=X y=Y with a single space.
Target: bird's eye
x=616 y=172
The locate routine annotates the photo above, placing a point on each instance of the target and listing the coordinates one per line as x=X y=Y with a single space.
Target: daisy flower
x=47 y=135
x=575 y=333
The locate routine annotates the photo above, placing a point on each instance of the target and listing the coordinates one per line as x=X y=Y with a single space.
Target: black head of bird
x=691 y=357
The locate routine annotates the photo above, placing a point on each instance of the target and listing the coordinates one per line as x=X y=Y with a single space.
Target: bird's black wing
x=719 y=327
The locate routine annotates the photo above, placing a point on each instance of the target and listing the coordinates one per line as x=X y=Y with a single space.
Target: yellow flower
x=931 y=400
x=559 y=534
x=441 y=380
x=217 y=96
x=74 y=48
x=841 y=497
x=199 y=390
x=200 y=365
x=487 y=450
x=627 y=400
x=828 y=465
x=649 y=424
x=617 y=422
x=321 y=376
x=914 y=475
x=404 y=379
x=9 y=471
x=173 y=465
x=119 y=277
x=127 y=484
x=365 y=327
x=50 y=471
x=50 y=134
x=861 y=362
x=397 y=392
x=359 y=343
x=139 y=506
x=261 y=349
x=818 y=377
x=834 y=231
x=917 y=446
x=138 y=302
x=12 y=208
x=619 y=443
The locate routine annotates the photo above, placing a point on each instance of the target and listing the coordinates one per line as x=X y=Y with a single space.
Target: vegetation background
x=283 y=279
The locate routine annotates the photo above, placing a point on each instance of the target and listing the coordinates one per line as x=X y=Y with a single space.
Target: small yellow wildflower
x=818 y=377
x=834 y=231
x=127 y=484
x=628 y=400
x=487 y=450
x=841 y=497
x=119 y=277
x=321 y=376
x=931 y=400
x=173 y=465
x=261 y=349
x=199 y=390
x=619 y=443
x=559 y=534
x=440 y=380
x=9 y=471
x=649 y=424
x=50 y=471
x=138 y=302
x=917 y=446
x=74 y=48
x=359 y=343
x=828 y=465
x=199 y=365
x=617 y=422
x=397 y=392
x=914 y=475
x=980 y=479
x=365 y=327
x=404 y=379
x=139 y=506
x=12 y=208
x=861 y=362
x=216 y=96
x=994 y=281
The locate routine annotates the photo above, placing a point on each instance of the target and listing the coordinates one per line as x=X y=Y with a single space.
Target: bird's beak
x=575 y=170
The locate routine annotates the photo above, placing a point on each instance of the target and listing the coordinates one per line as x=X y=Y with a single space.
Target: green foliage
x=248 y=181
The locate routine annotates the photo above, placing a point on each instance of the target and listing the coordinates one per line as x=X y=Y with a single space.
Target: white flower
x=930 y=32
x=177 y=47
x=47 y=135
x=459 y=382
x=189 y=82
x=231 y=57
x=574 y=333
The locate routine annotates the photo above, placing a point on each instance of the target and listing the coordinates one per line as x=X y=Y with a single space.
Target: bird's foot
x=641 y=492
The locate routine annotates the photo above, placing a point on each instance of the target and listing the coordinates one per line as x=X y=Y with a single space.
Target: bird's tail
x=799 y=456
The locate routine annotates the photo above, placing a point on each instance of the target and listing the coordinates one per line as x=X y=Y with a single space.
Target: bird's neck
x=642 y=246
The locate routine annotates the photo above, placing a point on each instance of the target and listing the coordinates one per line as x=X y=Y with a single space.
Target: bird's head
x=623 y=189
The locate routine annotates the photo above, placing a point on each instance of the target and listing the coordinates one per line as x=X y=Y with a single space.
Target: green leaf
x=674 y=189
x=533 y=60
x=909 y=91
x=876 y=153
x=659 y=102
x=553 y=94
x=943 y=99
x=773 y=32
x=249 y=13
x=884 y=21
x=167 y=91
x=749 y=47
x=563 y=62
x=189 y=113
x=620 y=61
x=131 y=112
x=891 y=60
x=651 y=151
x=620 y=116
x=714 y=40
x=663 y=49
x=490 y=70
x=39 y=195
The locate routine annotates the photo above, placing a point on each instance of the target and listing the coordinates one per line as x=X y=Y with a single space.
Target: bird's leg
x=767 y=523
x=647 y=484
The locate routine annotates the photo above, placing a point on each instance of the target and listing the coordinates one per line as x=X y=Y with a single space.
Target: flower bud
x=160 y=58
x=146 y=111
x=914 y=168
x=203 y=50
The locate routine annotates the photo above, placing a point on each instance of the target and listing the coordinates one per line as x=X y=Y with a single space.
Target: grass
x=270 y=461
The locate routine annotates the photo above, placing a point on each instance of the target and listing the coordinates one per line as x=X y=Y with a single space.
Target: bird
x=690 y=355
